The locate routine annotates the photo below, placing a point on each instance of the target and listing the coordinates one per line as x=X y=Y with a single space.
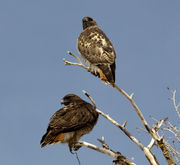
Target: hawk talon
x=76 y=147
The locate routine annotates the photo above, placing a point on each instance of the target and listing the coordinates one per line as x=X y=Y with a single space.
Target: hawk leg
x=93 y=70
x=76 y=146
x=70 y=145
x=73 y=147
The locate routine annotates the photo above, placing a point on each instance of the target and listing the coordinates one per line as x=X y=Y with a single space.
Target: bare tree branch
x=117 y=155
x=174 y=133
x=160 y=140
x=91 y=99
x=77 y=64
x=166 y=126
x=151 y=158
x=136 y=108
x=176 y=106
x=156 y=128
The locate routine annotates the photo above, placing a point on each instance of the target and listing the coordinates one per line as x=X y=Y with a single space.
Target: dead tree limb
x=120 y=159
x=151 y=158
x=176 y=106
x=160 y=140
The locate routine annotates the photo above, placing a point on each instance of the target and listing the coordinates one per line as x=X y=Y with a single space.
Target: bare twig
x=173 y=150
x=78 y=59
x=78 y=64
x=174 y=133
x=91 y=99
x=109 y=152
x=102 y=141
x=176 y=106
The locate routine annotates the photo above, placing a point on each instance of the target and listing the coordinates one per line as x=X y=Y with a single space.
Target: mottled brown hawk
x=97 y=50
x=68 y=124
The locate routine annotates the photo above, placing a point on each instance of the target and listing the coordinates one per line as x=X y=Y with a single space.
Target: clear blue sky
x=34 y=37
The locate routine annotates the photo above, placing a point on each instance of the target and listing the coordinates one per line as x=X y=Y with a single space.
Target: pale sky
x=34 y=37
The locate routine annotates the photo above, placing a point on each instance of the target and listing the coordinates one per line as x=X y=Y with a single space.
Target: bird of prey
x=68 y=124
x=97 y=51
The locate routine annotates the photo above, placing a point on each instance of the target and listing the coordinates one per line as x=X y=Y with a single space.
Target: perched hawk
x=97 y=50
x=71 y=122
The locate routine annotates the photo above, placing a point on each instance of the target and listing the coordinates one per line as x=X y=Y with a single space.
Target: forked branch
x=151 y=158
x=77 y=64
x=120 y=159
x=176 y=106
x=155 y=136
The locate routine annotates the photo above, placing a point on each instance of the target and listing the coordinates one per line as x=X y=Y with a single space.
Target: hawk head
x=87 y=22
x=69 y=99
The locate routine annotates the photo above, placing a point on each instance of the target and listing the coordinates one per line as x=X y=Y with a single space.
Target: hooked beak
x=62 y=101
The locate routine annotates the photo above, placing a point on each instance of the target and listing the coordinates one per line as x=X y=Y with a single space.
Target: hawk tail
x=50 y=138
x=107 y=73
x=45 y=139
x=113 y=68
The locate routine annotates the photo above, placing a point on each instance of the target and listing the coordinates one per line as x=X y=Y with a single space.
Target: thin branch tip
x=132 y=95
x=90 y=98
x=70 y=53
x=85 y=93
x=124 y=124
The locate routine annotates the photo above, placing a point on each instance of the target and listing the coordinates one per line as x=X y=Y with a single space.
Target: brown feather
x=58 y=138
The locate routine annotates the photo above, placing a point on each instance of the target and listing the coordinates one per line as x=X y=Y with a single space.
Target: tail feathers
x=43 y=140
x=47 y=139
x=43 y=144
x=107 y=73
x=51 y=138
x=113 y=68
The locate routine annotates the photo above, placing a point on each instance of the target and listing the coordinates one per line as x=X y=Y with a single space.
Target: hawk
x=97 y=51
x=71 y=122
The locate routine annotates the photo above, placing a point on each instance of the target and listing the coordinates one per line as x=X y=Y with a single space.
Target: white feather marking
x=98 y=37
x=103 y=41
x=94 y=68
x=101 y=50
x=67 y=137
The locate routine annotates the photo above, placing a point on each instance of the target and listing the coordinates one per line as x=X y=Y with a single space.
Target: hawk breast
x=95 y=47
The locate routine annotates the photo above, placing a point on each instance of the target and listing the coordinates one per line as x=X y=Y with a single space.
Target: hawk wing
x=69 y=119
x=96 y=49
x=72 y=118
